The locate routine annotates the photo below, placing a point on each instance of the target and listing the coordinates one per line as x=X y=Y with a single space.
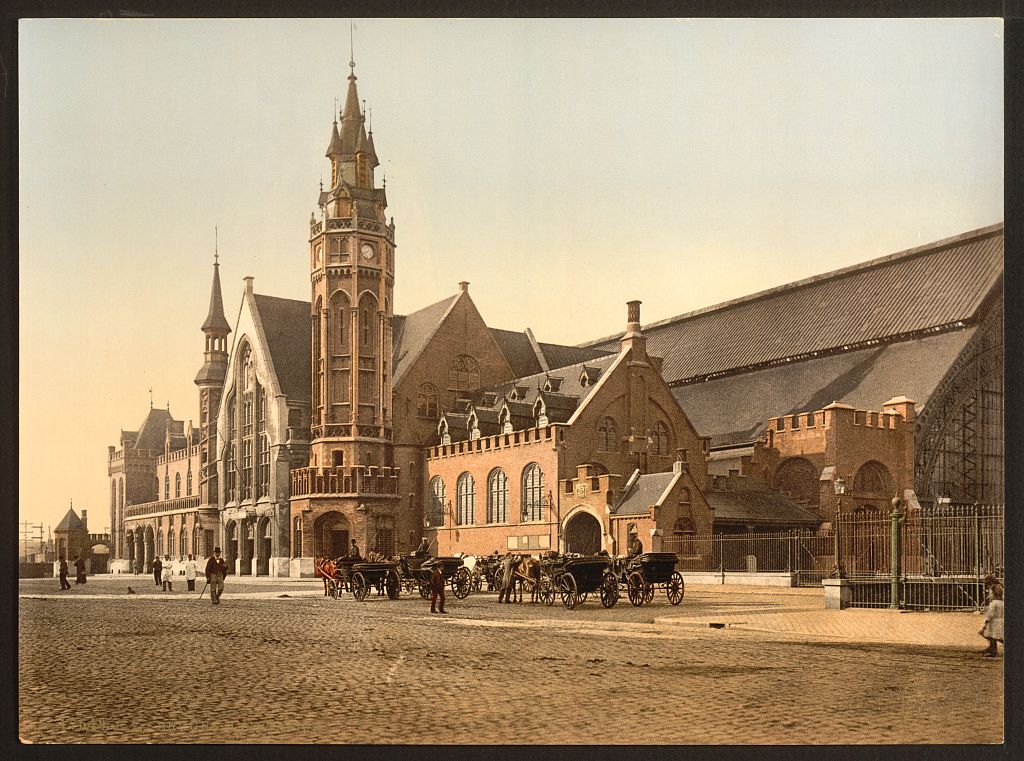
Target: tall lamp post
x=840 y=489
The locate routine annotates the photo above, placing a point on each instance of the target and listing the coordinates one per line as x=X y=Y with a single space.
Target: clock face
x=366 y=250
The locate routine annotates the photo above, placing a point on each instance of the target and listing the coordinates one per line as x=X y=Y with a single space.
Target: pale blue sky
x=562 y=167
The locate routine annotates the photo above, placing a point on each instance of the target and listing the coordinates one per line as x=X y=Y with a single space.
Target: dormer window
x=505 y=420
x=540 y=413
x=474 y=427
x=551 y=385
x=589 y=376
x=442 y=431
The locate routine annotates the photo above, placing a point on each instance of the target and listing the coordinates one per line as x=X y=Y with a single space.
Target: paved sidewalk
x=800 y=613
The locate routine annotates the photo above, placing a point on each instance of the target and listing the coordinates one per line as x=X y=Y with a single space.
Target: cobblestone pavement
x=305 y=669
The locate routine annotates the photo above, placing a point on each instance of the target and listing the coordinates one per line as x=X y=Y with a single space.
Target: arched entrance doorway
x=263 y=547
x=231 y=545
x=331 y=535
x=583 y=534
x=99 y=558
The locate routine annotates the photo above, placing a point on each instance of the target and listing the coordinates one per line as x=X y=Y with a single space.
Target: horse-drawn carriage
x=641 y=575
x=382 y=575
x=414 y=573
x=573 y=579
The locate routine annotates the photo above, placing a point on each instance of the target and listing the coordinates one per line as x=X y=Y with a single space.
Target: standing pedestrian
x=993 y=628
x=167 y=574
x=79 y=570
x=508 y=579
x=157 y=567
x=64 y=583
x=191 y=571
x=436 y=587
x=216 y=570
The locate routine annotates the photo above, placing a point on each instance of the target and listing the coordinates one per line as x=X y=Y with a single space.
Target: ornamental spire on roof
x=215 y=321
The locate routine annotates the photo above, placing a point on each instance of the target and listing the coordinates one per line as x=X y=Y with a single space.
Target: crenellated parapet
x=354 y=481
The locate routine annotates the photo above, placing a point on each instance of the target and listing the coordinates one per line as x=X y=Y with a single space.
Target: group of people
x=79 y=572
x=163 y=572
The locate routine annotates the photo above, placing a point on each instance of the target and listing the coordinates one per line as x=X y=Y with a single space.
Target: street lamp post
x=840 y=489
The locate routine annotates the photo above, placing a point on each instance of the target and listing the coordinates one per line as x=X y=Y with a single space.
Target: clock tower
x=351 y=262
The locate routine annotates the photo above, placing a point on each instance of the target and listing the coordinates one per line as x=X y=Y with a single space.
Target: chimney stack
x=248 y=283
x=634 y=339
x=464 y=287
x=85 y=519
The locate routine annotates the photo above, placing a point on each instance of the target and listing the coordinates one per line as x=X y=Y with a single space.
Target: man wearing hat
x=216 y=570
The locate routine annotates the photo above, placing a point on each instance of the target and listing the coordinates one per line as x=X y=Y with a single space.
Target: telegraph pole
x=27 y=529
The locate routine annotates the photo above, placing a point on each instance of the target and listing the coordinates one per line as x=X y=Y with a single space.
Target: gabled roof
x=759 y=508
x=518 y=351
x=70 y=522
x=411 y=333
x=937 y=286
x=286 y=326
x=570 y=388
x=644 y=491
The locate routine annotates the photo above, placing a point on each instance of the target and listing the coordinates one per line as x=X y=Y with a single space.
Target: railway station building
x=339 y=419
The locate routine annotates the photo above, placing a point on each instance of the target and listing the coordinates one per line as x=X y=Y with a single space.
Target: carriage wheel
x=648 y=592
x=567 y=589
x=635 y=589
x=582 y=596
x=393 y=584
x=675 y=588
x=477 y=579
x=609 y=591
x=547 y=590
x=360 y=589
x=462 y=584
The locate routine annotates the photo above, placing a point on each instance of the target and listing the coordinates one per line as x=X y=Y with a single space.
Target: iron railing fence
x=944 y=552
x=804 y=553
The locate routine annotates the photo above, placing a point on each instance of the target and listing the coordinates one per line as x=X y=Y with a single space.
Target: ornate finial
x=351 y=49
x=369 y=119
x=334 y=113
x=364 y=108
x=151 y=397
x=216 y=255
x=385 y=180
x=321 y=183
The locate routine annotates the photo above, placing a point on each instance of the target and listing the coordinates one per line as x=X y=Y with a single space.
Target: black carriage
x=415 y=574
x=487 y=571
x=573 y=579
x=383 y=576
x=641 y=575
x=341 y=581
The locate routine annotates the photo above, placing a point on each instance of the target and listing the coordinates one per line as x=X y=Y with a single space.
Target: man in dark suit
x=79 y=570
x=216 y=570
x=436 y=588
x=635 y=547
x=157 y=568
x=64 y=583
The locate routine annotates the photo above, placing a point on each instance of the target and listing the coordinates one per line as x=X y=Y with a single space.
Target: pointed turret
x=215 y=319
x=216 y=328
x=371 y=152
x=334 y=147
x=351 y=117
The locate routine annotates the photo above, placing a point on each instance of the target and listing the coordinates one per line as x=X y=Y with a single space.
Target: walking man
x=79 y=570
x=191 y=571
x=436 y=587
x=64 y=583
x=216 y=570
x=157 y=567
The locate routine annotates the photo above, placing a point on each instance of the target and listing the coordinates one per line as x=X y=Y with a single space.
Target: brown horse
x=526 y=574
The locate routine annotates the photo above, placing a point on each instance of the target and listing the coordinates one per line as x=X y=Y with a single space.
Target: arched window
x=465 y=499
x=872 y=478
x=368 y=325
x=660 y=443
x=183 y=542
x=426 y=401
x=177 y=485
x=318 y=364
x=339 y=323
x=196 y=531
x=533 y=493
x=608 y=435
x=799 y=479
x=435 y=513
x=120 y=492
x=497 y=496
x=167 y=486
x=384 y=536
x=113 y=495
x=463 y=374
x=264 y=481
x=188 y=483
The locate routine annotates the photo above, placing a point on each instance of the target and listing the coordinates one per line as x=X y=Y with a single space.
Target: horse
x=526 y=573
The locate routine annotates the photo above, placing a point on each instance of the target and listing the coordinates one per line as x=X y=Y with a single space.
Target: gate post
x=896 y=518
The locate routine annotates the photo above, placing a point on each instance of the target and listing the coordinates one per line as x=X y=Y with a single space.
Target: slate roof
x=153 y=431
x=559 y=356
x=411 y=333
x=643 y=492
x=286 y=325
x=940 y=284
x=759 y=508
x=70 y=522
x=518 y=351
x=532 y=385
x=733 y=409
x=215 y=319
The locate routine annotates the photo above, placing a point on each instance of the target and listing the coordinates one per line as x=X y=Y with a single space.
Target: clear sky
x=562 y=167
